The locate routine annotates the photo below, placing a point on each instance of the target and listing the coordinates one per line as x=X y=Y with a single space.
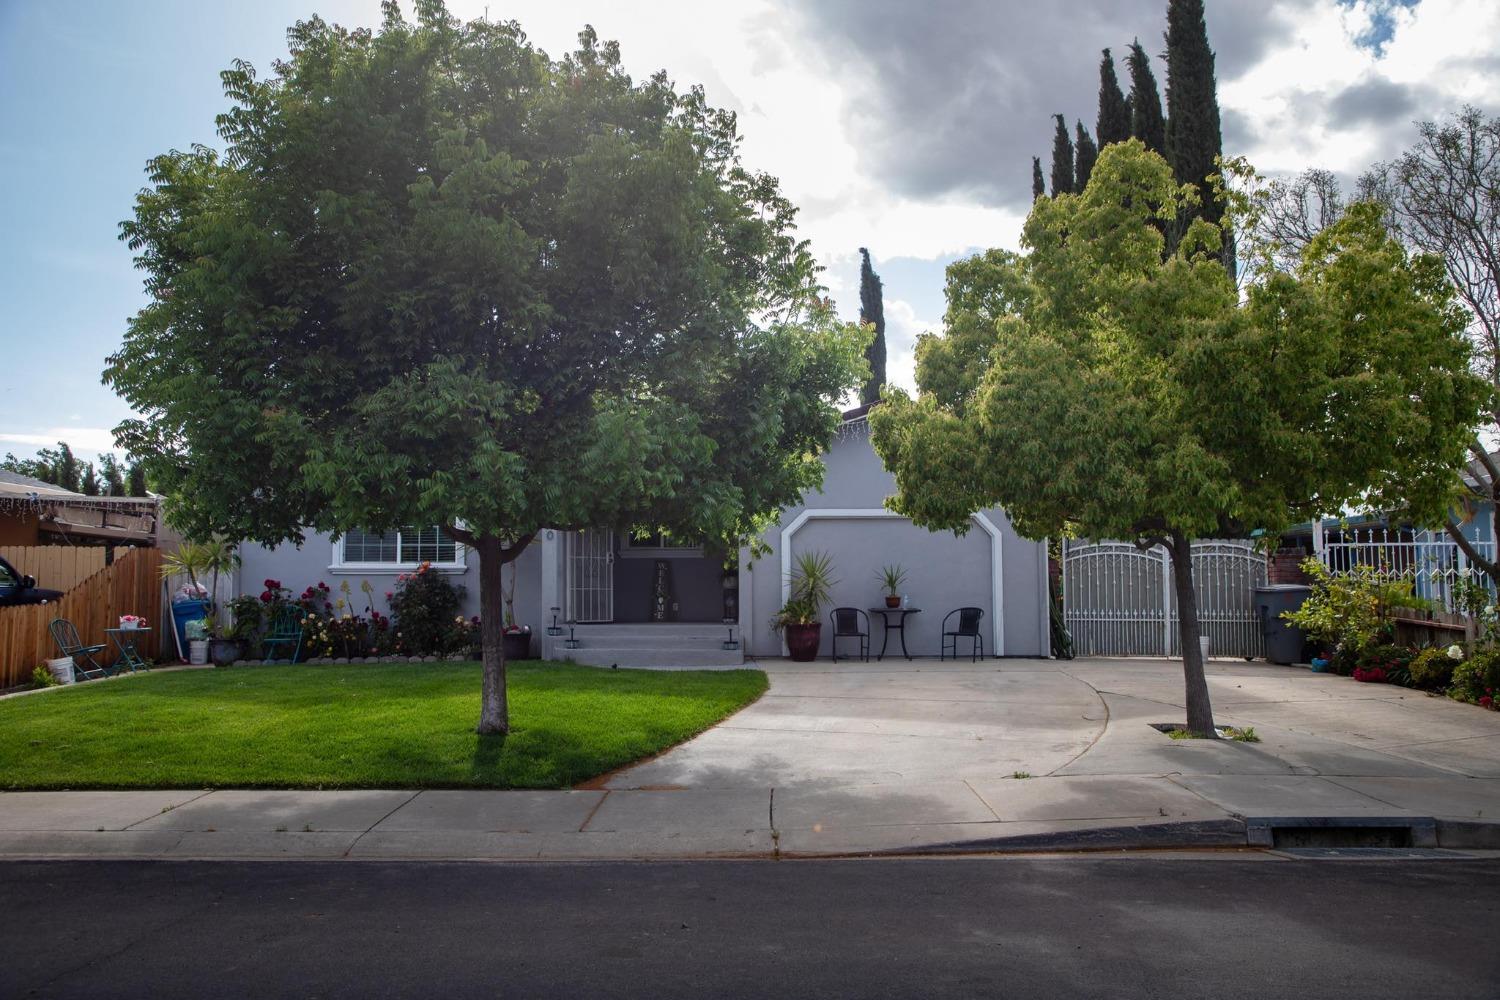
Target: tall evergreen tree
x=89 y=482
x=67 y=471
x=1114 y=113
x=1062 y=159
x=1146 y=121
x=872 y=311
x=110 y=472
x=1194 y=138
x=135 y=479
x=1038 y=185
x=1085 y=153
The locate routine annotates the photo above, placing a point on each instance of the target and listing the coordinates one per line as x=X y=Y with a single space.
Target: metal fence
x=1433 y=564
x=1119 y=600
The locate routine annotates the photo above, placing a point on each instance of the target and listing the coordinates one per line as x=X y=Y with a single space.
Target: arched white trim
x=997 y=547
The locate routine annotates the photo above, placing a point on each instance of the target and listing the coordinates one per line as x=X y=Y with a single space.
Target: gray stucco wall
x=298 y=567
x=944 y=571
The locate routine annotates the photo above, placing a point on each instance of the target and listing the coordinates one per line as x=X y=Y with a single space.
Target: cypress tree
x=136 y=480
x=1038 y=185
x=872 y=310
x=1062 y=159
x=1194 y=138
x=1146 y=121
x=1114 y=114
x=1084 y=156
x=89 y=484
x=113 y=478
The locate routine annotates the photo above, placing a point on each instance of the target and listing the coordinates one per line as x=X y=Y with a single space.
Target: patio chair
x=85 y=667
x=851 y=623
x=967 y=628
x=286 y=630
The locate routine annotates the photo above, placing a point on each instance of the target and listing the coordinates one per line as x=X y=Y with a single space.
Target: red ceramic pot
x=802 y=641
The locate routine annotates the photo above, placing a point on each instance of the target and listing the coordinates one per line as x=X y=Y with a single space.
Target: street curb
x=1147 y=836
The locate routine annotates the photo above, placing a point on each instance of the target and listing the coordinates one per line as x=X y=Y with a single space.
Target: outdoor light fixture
x=731 y=642
x=554 y=628
x=571 y=642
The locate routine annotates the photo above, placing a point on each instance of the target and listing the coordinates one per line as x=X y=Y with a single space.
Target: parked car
x=18 y=589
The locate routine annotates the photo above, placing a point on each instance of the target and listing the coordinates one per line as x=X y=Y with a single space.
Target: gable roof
x=15 y=484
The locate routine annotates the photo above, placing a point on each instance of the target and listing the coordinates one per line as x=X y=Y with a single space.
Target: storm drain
x=1374 y=853
x=1342 y=832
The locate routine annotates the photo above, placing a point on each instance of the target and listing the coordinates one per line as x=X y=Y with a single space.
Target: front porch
x=637 y=602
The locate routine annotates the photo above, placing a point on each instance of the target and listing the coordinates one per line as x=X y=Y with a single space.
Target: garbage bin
x=1283 y=641
x=182 y=613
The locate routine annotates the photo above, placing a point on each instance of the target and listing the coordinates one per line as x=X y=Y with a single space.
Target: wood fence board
x=130 y=585
x=56 y=567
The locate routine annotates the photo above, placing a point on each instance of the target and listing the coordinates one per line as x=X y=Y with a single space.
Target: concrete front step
x=617 y=656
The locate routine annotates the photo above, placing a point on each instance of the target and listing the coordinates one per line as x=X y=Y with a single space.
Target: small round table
x=125 y=640
x=899 y=626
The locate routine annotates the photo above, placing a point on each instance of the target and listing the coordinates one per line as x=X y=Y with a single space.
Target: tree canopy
x=1062 y=157
x=1095 y=386
x=1194 y=140
x=872 y=314
x=1113 y=124
x=437 y=276
x=1147 y=123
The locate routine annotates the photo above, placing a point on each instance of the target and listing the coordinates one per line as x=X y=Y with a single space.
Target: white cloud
x=902 y=327
x=85 y=441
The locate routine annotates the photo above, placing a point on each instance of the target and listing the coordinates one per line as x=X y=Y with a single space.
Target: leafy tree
x=1194 y=140
x=135 y=480
x=89 y=482
x=872 y=313
x=440 y=277
x=58 y=466
x=1094 y=386
x=1085 y=153
x=1062 y=159
x=1114 y=114
x=1038 y=185
x=1146 y=121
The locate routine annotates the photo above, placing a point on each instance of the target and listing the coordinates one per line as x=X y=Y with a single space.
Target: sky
x=904 y=127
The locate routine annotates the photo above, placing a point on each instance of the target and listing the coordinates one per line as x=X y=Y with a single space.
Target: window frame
x=342 y=565
x=629 y=550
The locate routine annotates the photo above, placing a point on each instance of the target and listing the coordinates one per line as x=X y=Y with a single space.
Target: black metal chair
x=847 y=624
x=85 y=667
x=968 y=627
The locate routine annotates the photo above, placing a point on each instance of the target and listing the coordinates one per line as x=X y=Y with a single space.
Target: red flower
x=265 y=596
x=1487 y=702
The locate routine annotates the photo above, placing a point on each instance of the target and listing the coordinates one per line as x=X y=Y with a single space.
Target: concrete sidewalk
x=856 y=758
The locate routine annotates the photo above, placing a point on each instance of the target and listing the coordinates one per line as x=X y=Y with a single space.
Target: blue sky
x=894 y=125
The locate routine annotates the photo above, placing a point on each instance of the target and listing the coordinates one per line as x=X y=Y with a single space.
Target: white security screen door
x=589 y=558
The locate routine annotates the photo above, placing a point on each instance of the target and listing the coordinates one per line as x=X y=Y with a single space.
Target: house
x=33 y=512
x=658 y=601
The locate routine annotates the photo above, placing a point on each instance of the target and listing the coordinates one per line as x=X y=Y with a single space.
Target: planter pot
x=223 y=652
x=802 y=641
x=893 y=600
x=198 y=652
x=517 y=645
x=129 y=626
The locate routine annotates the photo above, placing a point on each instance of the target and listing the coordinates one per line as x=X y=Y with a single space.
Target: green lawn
x=388 y=725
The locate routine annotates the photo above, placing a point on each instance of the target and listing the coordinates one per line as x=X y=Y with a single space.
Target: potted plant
x=799 y=619
x=132 y=622
x=891 y=579
x=225 y=645
x=516 y=639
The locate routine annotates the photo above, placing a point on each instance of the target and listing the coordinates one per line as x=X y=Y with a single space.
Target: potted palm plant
x=891 y=579
x=799 y=619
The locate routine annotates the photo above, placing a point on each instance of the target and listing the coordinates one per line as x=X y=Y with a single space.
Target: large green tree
x=1094 y=385
x=1113 y=124
x=1062 y=158
x=440 y=277
x=872 y=314
x=1038 y=185
x=1146 y=120
x=1194 y=138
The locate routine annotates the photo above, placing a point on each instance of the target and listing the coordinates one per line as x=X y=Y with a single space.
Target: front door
x=589 y=558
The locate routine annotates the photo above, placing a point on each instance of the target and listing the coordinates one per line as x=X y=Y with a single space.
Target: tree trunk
x=494 y=713
x=1200 y=713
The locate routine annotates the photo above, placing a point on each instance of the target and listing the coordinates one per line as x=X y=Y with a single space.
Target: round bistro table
x=898 y=626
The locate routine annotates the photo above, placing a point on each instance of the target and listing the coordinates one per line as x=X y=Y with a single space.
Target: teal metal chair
x=286 y=631
x=85 y=667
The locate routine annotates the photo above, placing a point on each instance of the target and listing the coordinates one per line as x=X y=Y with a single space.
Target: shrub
x=1384 y=665
x=1432 y=669
x=1476 y=679
x=424 y=605
x=43 y=677
x=1349 y=610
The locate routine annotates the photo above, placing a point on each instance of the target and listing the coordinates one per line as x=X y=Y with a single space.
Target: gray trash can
x=1283 y=641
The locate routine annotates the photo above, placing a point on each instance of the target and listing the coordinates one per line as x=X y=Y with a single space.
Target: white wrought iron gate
x=589 y=563
x=1120 y=601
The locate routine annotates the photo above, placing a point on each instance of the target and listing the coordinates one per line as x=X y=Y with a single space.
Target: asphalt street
x=1232 y=925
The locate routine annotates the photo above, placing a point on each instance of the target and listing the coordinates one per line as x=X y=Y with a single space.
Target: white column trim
x=997 y=556
x=1046 y=616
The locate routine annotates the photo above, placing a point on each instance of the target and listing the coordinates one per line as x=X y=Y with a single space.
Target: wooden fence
x=130 y=585
x=56 y=567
